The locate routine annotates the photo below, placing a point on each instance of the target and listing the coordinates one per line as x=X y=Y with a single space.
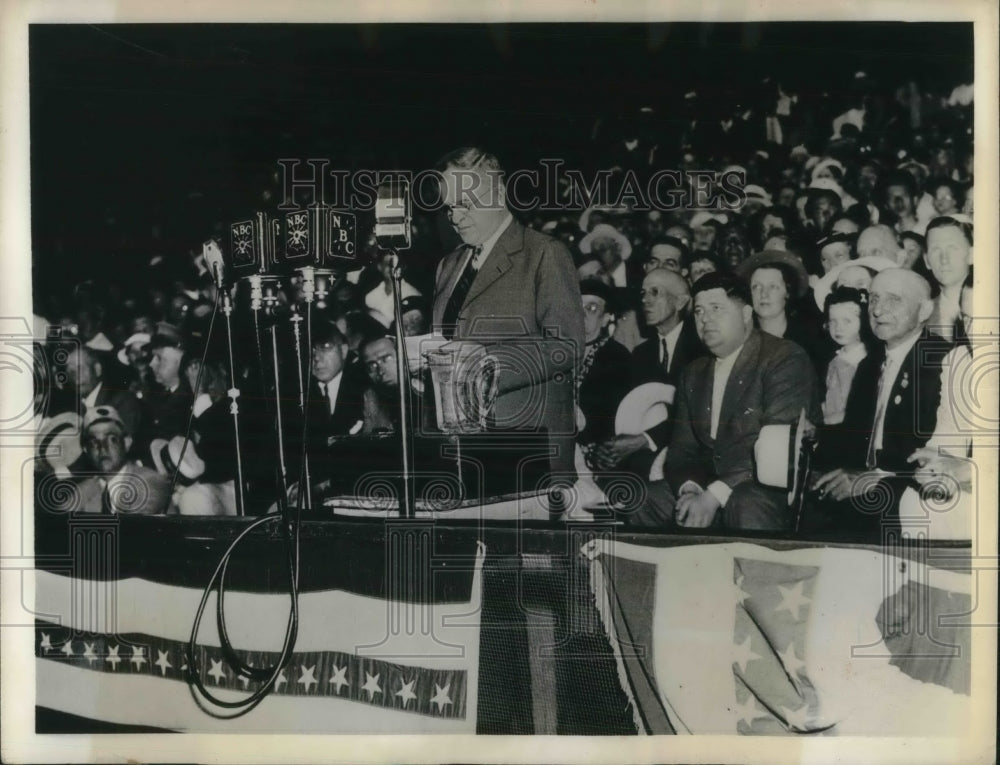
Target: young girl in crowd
x=846 y=319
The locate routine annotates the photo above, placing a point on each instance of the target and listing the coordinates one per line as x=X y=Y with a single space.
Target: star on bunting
x=138 y=656
x=217 y=672
x=163 y=662
x=68 y=648
x=742 y=654
x=405 y=691
x=308 y=678
x=339 y=678
x=46 y=642
x=88 y=653
x=792 y=599
x=113 y=658
x=371 y=685
x=440 y=698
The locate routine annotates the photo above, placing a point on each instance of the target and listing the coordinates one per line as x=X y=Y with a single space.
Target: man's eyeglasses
x=381 y=361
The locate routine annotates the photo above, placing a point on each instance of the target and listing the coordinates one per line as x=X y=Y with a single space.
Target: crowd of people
x=839 y=284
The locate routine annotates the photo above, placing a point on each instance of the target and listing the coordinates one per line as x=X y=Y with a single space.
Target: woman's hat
x=823 y=285
x=777 y=258
x=607 y=231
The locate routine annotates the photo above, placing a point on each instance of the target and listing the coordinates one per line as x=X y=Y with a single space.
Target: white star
x=88 y=653
x=162 y=662
x=68 y=648
x=339 y=678
x=405 y=691
x=792 y=599
x=741 y=594
x=793 y=664
x=243 y=678
x=46 y=642
x=440 y=697
x=113 y=657
x=742 y=654
x=280 y=681
x=371 y=685
x=138 y=656
x=308 y=679
x=747 y=711
x=217 y=672
x=798 y=719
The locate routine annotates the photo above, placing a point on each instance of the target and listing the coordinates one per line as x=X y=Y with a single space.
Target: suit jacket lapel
x=450 y=271
x=498 y=262
x=738 y=376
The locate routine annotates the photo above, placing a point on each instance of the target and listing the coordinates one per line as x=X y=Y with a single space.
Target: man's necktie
x=326 y=397
x=107 y=506
x=870 y=459
x=461 y=291
x=664 y=356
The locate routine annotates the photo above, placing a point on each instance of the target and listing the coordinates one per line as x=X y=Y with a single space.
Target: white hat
x=99 y=342
x=777 y=452
x=607 y=231
x=699 y=219
x=59 y=440
x=828 y=184
x=167 y=457
x=758 y=194
x=139 y=338
x=824 y=163
x=823 y=286
x=643 y=408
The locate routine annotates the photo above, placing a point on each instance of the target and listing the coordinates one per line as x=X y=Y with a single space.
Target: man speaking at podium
x=514 y=291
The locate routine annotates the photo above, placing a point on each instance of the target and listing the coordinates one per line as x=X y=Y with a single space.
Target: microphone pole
x=406 y=507
x=233 y=392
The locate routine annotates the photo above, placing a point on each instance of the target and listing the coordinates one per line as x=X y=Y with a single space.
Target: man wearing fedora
x=116 y=485
x=515 y=291
x=166 y=410
x=749 y=379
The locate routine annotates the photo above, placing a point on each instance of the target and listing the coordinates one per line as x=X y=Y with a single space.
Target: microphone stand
x=406 y=500
x=257 y=300
x=234 y=394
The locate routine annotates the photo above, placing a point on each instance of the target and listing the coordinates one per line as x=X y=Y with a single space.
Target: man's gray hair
x=471 y=158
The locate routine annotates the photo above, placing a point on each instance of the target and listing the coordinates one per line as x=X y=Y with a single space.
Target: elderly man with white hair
x=891 y=409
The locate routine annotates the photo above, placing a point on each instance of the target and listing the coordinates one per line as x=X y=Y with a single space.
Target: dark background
x=145 y=138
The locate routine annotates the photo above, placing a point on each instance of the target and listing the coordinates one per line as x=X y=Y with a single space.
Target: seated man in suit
x=891 y=410
x=665 y=299
x=117 y=485
x=334 y=403
x=750 y=379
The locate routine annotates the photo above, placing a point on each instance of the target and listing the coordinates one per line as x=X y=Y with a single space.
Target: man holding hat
x=117 y=485
x=749 y=379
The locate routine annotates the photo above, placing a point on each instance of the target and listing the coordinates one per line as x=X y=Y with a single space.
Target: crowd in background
x=834 y=192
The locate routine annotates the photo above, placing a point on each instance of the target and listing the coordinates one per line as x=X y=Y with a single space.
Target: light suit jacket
x=525 y=307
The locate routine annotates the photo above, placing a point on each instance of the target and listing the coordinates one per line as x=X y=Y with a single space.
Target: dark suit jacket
x=911 y=412
x=646 y=368
x=770 y=383
x=525 y=307
x=323 y=425
x=602 y=390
